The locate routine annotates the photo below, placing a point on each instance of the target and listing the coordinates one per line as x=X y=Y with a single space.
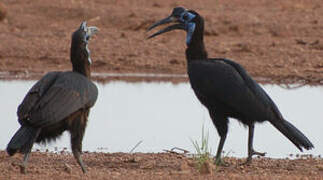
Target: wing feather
x=227 y=83
x=69 y=93
x=34 y=94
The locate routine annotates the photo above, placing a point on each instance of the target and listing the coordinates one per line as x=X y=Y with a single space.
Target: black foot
x=77 y=155
x=253 y=152
x=258 y=153
x=219 y=162
x=83 y=169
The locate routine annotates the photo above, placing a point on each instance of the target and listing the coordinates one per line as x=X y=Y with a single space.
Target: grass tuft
x=203 y=154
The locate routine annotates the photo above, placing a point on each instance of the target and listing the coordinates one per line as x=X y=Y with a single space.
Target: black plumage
x=225 y=88
x=58 y=102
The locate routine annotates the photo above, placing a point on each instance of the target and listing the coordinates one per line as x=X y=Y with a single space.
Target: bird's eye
x=185 y=16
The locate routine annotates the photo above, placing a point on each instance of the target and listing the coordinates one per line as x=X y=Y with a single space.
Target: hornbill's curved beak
x=170 y=19
x=90 y=31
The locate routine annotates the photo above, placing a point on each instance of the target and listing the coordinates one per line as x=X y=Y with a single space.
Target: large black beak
x=167 y=20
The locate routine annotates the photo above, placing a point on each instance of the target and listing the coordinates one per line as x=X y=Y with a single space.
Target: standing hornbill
x=225 y=88
x=59 y=101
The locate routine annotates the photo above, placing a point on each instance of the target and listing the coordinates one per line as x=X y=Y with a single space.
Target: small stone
x=173 y=61
x=184 y=166
x=3 y=11
x=319 y=167
x=206 y=168
x=67 y=168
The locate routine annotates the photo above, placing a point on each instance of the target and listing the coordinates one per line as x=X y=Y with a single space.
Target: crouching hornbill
x=58 y=102
x=225 y=88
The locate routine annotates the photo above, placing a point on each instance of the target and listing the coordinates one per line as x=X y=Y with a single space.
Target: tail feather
x=293 y=134
x=23 y=140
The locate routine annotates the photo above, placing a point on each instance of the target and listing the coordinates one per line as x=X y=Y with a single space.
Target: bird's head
x=183 y=19
x=80 y=40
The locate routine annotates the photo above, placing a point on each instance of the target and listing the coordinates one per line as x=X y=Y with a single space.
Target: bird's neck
x=195 y=51
x=79 y=59
x=82 y=68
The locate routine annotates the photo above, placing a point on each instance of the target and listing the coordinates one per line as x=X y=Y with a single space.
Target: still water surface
x=164 y=115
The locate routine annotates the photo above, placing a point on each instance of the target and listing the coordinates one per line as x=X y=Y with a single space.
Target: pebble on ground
x=3 y=11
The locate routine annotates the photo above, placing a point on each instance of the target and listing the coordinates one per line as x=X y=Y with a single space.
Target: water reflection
x=164 y=115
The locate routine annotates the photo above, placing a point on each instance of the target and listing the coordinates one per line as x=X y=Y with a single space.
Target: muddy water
x=164 y=115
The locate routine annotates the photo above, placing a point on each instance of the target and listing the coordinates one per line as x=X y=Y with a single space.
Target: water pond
x=164 y=115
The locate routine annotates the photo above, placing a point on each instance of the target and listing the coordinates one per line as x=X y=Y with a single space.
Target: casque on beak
x=92 y=30
x=89 y=31
x=173 y=18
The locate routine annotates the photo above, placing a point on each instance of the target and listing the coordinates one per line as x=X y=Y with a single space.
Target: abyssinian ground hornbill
x=225 y=88
x=58 y=102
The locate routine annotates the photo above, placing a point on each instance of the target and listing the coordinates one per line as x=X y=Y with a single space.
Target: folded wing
x=56 y=96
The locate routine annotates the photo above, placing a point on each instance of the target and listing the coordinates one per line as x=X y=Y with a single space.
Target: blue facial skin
x=190 y=30
x=186 y=17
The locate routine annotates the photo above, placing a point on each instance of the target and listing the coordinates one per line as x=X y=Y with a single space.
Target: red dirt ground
x=155 y=166
x=276 y=41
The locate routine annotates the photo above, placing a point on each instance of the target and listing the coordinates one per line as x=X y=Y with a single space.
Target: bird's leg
x=27 y=151
x=218 y=160
x=77 y=133
x=251 y=151
x=76 y=141
x=221 y=124
x=24 y=163
x=77 y=156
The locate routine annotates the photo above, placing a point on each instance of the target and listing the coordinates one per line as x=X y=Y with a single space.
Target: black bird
x=225 y=88
x=59 y=101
